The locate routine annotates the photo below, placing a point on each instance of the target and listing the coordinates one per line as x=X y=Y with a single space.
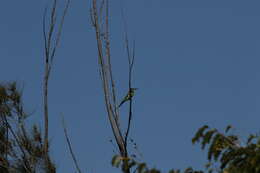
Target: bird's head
x=133 y=89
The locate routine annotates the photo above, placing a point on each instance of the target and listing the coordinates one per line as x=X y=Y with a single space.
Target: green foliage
x=141 y=167
x=21 y=150
x=10 y=102
x=226 y=150
x=225 y=154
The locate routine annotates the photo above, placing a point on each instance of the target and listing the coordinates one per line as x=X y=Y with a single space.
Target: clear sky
x=197 y=62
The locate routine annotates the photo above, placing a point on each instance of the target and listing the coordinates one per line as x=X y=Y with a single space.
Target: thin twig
x=57 y=40
x=70 y=146
x=130 y=71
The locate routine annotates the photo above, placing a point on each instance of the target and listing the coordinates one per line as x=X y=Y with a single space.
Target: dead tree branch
x=51 y=42
x=70 y=146
x=106 y=73
x=100 y=21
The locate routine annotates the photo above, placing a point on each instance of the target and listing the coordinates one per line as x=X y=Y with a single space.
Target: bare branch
x=107 y=42
x=131 y=59
x=70 y=146
x=57 y=41
x=106 y=74
x=100 y=21
x=44 y=34
x=51 y=27
x=51 y=43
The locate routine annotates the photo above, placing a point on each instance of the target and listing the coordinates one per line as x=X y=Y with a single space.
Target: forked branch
x=100 y=22
x=51 y=42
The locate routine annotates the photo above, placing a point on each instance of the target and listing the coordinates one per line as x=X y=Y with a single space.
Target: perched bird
x=129 y=95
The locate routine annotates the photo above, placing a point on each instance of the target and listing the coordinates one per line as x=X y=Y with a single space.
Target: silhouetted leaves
x=226 y=150
x=21 y=150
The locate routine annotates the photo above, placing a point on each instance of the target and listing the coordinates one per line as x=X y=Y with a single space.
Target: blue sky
x=197 y=62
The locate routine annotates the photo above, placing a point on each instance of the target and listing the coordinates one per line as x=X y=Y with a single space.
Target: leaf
x=228 y=128
x=199 y=134
x=207 y=137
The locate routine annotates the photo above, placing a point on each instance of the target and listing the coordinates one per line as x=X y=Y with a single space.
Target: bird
x=128 y=96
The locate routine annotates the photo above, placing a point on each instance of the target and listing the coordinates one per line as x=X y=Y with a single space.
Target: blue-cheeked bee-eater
x=129 y=95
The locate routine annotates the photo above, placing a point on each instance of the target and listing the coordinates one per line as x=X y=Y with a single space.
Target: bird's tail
x=121 y=104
